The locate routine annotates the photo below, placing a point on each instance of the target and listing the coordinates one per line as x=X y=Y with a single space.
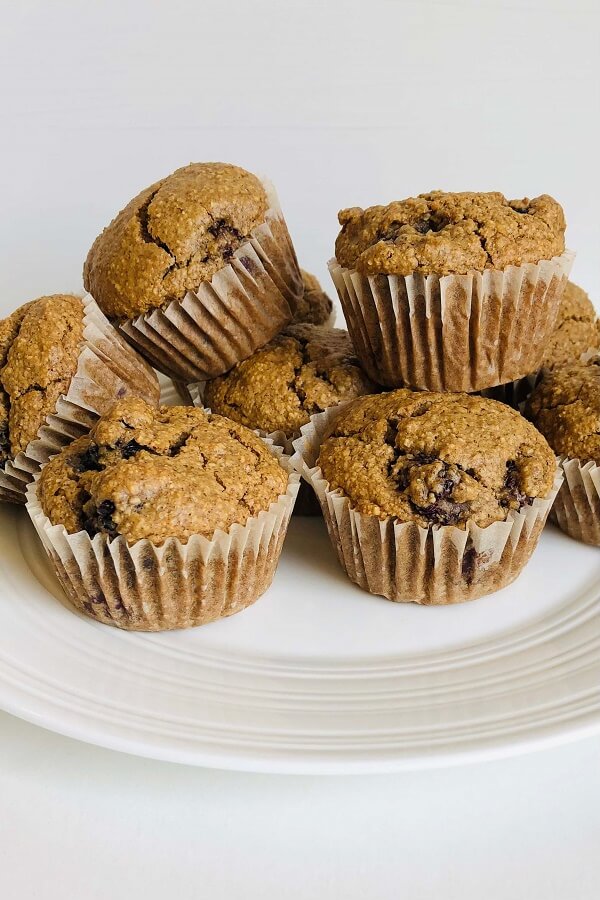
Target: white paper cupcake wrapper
x=576 y=509
x=145 y=587
x=243 y=306
x=455 y=332
x=108 y=370
x=407 y=563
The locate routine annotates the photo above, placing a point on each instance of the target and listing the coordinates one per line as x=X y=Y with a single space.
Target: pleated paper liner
x=454 y=332
x=407 y=563
x=108 y=369
x=576 y=509
x=241 y=308
x=145 y=587
x=306 y=501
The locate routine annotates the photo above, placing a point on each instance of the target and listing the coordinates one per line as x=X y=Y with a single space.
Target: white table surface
x=340 y=104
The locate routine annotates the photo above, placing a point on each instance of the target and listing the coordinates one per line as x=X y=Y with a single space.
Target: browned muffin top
x=577 y=328
x=314 y=307
x=173 y=236
x=450 y=233
x=436 y=459
x=302 y=371
x=39 y=351
x=565 y=406
x=144 y=472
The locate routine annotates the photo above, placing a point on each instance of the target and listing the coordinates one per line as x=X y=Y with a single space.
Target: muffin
x=451 y=291
x=577 y=329
x=304 y=370
x=163 y=517
x=429 y=497
x=565 y=407
x=61 y=365
x=314 y=307
x=198 y=270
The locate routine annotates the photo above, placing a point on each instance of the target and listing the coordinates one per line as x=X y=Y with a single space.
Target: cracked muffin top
x=565 y=407
x=302 y=371
x=39 y=351
x=436 y=459
x=173 y=236
x=450 y=234
x=577 y=328
x=314 y=307
x=154 y=473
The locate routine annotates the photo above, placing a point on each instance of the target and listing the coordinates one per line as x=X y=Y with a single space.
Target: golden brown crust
x=302 y=371
x=450 y=233
x=577 y=329
x=39 y=351
x=173 y=236
x=159 y=473
x=436 y=459
x=314 y=306
x=565 y=406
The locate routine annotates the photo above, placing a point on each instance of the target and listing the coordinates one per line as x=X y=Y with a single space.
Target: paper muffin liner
x=149 y=587
x=408 y=563
x=452 y=332
x=108 y=369
x=576 y=509
x=243 y=306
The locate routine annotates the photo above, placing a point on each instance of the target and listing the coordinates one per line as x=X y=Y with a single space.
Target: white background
x=340 y=104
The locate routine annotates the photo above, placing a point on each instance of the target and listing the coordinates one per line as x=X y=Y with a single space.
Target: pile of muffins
x=436 y=435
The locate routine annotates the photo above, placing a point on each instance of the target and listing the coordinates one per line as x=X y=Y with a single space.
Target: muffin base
x=145 y=587
x=455 y=332
x=243 y=306
x=407 y=563
x=576 y=509
x=108 y=370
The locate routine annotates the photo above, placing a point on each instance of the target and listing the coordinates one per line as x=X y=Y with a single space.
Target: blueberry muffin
x=314 y=307
x=164 y=517
x=429 y=498
x=576 y=331
x=41 y=345
x=451 y=291
x=565 y=407
x=436 y=459
x=198 y=270
x=304 y=370
x=156 y=473
x=450 y=234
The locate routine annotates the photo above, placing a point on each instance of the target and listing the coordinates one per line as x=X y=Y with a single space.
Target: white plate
x=317 y=676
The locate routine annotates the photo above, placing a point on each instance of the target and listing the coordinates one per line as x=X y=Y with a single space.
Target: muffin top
x=154 y=473
x=173 y=236
x=450 y=234
x=302 y=371
x=314 y=306
x=39 y=351
x=577 y=328
x=436 y=459
x=565 y=406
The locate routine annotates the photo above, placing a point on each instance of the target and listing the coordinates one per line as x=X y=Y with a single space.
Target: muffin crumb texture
x=450 y=234
x=158 y=473
x=39 y=351
x=436 y=459
x=173 y=236
x=577 y=328
x=314 y=307
x=565 y=407
x=304 y=370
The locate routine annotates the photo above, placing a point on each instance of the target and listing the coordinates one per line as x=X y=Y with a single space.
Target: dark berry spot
x=513 y=495
x=248 y=264
x=131 y=448
x=101 y=520
x=443 y=511
x=469 y=564
x=88 y=460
